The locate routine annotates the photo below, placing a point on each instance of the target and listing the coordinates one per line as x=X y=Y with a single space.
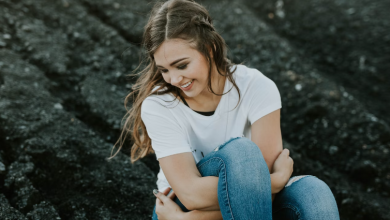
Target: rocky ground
x=63 y=67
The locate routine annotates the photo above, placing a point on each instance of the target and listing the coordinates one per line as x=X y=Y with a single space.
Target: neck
x=217 y=84
x=207 y=99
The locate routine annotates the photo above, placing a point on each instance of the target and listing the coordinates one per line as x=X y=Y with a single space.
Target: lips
x=189 y=87
x=187 y=83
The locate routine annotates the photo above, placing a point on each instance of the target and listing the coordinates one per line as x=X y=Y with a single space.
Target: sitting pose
x=214 y=127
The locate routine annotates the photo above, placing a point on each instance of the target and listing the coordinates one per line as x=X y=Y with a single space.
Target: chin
x=191 y=94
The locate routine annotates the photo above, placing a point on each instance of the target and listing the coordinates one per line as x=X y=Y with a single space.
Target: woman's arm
x=266 y=134
x=194 y=191
x=202 y=215
x=168 y=209
x=277 y=183
x=201 y=193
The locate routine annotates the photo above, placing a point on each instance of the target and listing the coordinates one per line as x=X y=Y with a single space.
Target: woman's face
x=180 y=65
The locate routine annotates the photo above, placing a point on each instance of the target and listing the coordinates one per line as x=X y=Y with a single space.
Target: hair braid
x=201 y=21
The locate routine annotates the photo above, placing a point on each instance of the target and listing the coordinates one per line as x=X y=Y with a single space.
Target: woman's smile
x=187 y=86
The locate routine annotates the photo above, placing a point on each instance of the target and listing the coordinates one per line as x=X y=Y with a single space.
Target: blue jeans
x=244 y=187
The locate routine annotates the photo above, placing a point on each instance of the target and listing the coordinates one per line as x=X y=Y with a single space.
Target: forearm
x=202 y=215
x=276 y=183
x=204 y=195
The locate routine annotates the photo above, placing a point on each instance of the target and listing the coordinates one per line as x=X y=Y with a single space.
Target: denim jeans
x=244 y=187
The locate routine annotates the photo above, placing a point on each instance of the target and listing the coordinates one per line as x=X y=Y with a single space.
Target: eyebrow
x=174 y=62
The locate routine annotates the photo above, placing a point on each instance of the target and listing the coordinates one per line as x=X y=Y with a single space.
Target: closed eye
x=182 y=67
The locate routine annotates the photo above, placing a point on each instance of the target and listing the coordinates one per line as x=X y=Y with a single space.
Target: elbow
x=188 y=192
x=188 y=200
x=190 y=197
x=186 y=197
x=188 y=206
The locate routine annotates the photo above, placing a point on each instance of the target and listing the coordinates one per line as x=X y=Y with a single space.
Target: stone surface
x=8 y=212
x=43 y=210
x=60 y=159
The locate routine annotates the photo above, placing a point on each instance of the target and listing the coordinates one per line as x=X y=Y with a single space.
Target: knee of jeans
x=242 y=149
x=312 y=185
x=320 y=186
x=318 y=199
x=240 y=143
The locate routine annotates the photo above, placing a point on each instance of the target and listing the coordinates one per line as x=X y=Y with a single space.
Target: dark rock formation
x=58 y=159
x=43 y=210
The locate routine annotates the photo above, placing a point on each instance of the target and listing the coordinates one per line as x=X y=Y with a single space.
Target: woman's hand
x=283 y=167
x=166 y=209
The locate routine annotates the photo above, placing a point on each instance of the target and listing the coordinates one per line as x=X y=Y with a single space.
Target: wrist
x=277 y=182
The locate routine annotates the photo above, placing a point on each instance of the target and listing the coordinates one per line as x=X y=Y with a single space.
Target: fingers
x=291 y=161
x=166 y=191
x=286 y=152
x=169 y=193
x=161 y=196
x=158 y=202
x=172 y=195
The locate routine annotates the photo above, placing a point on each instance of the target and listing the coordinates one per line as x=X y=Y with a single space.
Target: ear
x=211 y=51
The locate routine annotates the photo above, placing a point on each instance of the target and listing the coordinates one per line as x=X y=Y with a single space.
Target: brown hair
x=183 y=19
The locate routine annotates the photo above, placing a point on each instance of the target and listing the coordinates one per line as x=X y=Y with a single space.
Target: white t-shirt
x=175 y=128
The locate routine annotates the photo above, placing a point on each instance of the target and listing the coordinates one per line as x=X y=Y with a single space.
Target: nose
x=176 y=79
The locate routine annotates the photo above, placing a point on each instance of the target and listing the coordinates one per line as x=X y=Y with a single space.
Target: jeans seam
x=304 y=176
x=292 y=207
x=224 y=166
x=224 y=144
x=220 y=147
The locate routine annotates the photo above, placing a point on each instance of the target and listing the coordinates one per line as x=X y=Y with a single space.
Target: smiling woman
x=214 y=127
x=186 y=68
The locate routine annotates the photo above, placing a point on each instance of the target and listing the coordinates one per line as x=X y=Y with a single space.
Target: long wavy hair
x=173 y=19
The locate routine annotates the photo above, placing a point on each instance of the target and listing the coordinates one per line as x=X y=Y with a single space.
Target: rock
x=60 y=156
x=2 y=168
x=8 y=212
x=7 y=36
x=364 y=171
x=313 y=111
x=58 y=106
x=298 y=87
x=43 y=210
x=16 y=180
x=333 y=150
x=346 y=201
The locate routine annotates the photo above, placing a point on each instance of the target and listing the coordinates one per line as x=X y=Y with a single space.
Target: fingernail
x=155 y=191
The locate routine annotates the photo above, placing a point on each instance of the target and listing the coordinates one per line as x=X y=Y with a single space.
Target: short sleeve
x=167 y=137
x=264 y=97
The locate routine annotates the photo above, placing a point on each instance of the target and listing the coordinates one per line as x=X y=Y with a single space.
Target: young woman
x=214 y=127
